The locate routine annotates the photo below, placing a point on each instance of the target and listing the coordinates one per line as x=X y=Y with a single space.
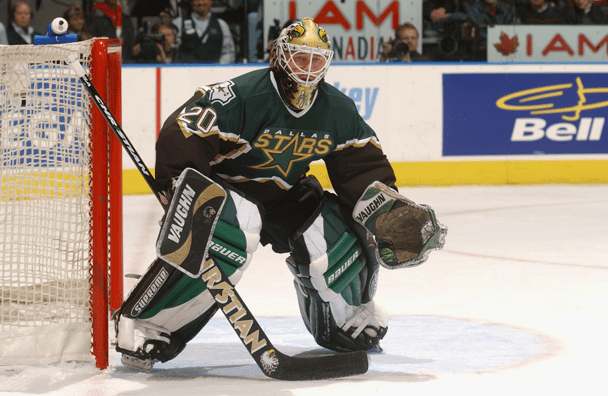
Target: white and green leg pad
x=336 y=281
x=168 y=307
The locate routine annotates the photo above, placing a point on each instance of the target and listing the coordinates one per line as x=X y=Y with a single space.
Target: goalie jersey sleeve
x=241 y=131
x=176 y=150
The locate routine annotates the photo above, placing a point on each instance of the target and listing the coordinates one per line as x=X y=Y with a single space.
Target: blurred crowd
x=456 y=30
x=230 y=31
x=180 y=31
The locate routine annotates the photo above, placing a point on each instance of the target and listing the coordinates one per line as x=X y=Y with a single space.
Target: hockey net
x=60 y=204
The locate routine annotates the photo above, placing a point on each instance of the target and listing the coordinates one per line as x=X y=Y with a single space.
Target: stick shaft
x=73 y=62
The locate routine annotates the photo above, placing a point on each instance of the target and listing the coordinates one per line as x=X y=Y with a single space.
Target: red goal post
x=60 y=204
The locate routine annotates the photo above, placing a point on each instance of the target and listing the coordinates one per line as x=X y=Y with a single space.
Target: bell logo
x=532 y=129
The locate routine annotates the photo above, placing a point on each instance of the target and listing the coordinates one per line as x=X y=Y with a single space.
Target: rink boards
x=439 y=124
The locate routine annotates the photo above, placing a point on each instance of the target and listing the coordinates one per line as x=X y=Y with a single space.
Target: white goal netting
x=45 y=205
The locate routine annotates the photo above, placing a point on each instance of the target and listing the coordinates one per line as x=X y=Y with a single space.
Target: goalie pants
x=180 y=306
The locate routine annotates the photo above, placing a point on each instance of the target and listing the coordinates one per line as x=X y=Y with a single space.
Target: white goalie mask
x=301 y=57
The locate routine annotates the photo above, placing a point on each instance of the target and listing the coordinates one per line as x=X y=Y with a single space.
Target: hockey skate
x=141 y=344
x=367 y=326
x=143 y=359
x=137 y=363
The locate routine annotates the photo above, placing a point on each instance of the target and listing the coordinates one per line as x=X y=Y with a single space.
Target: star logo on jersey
x=221 y=93
x=282 y=153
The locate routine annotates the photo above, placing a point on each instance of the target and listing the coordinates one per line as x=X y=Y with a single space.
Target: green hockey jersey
x=242 y=131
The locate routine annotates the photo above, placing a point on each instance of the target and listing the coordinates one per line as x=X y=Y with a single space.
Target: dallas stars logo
x=283 y=154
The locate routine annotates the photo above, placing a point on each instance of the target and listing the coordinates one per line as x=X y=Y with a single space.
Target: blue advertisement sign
x=514 y=114
x=41 y=128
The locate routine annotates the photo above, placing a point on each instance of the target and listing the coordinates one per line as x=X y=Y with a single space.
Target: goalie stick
x=271 y=361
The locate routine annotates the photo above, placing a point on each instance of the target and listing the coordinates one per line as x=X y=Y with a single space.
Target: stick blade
x=317 y=367
x=271 y=361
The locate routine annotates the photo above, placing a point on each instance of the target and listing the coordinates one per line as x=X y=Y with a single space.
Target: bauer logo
x=524 y=114
x=342 y=269
x=227 y=253
x=150 y=292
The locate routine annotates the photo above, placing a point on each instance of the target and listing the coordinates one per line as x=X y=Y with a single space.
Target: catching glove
x=405 y=231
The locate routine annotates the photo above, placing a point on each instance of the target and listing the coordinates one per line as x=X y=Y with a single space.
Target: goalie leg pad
x=336 y=281
x=190 y=221
x=177 y=305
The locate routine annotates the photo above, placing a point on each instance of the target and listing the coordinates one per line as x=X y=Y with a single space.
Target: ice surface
x=516 y=303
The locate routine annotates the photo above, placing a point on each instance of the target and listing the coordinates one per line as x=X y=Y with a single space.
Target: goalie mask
x=300 y=58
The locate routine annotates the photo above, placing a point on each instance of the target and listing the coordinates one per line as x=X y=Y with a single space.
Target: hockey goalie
x=234 y=161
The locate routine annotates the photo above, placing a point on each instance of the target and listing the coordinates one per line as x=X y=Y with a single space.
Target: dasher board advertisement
x=556 y=43
x=356 y=28
x=515 y=114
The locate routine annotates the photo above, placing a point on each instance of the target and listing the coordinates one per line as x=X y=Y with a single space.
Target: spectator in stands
x=19 y=31
x=3 y=38
x=584 y=12
x=395 y=51
x=76 y=22
x=538 y=12
x=148 y=48
x=484 y=13
x=168 y=53
x=273 y=33
x=204 y=38
x=255 y=50
x=109 y=20
x=489 y=13
x=434 y=11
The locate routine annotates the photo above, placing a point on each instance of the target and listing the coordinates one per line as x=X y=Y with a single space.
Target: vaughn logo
x=181 y=214
x=150 y=292
x=370 y=208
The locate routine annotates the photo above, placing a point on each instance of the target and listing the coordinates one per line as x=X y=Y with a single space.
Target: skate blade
x=136 y=364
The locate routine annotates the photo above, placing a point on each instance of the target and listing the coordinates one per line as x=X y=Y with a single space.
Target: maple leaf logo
x=507 y=45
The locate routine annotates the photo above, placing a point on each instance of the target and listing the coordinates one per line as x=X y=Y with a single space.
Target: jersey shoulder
x=253 y=83
x=344 y=110
x=337 y=98
x=251 y=86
